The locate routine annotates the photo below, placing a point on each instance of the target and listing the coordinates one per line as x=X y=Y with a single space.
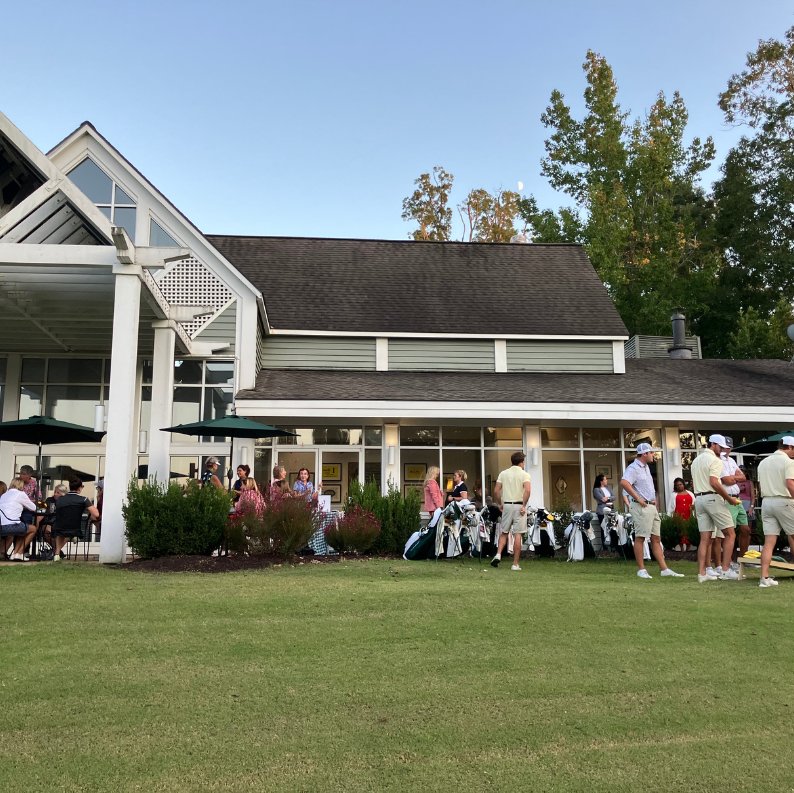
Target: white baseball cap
x=720 y=441
x=787 y=440
x=644 y=448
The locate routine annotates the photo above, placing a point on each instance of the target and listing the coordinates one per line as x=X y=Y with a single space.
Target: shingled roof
x=387 y=286
x=646 y=382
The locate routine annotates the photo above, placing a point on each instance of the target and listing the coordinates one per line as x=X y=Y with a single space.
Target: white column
x=671 y=449
x=10 y=413
x=391 y=456
x=122 y=428
x=534 y=465
x=162 y=400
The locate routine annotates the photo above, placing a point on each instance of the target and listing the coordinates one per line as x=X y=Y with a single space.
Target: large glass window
x=503 y=437
x=159 y=237
x=418 y=436
x=64 y=388
x=560 y=437
x=114 y=202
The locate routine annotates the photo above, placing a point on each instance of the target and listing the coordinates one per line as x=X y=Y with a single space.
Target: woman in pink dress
x=433 y=498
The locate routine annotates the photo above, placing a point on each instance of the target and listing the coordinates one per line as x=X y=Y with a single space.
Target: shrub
x=355 y=531
x=167 y=519
x=562 y=506
x=398 y=515
x=285 y=526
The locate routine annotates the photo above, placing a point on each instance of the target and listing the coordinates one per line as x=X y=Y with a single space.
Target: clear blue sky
x=313 y=117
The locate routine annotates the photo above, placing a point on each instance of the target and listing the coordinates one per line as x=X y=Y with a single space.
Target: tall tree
x=489 y=218
x=755 y=193
x=639 y=209
x=428 y=206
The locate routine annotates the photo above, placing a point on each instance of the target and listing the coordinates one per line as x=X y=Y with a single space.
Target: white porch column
x=10 y=413
x=391 y=456
x=671 y=449
x=162 y=400
x=534 y=465
x=122 y=429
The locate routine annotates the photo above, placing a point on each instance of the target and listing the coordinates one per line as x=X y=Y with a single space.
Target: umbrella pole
x=230 y=469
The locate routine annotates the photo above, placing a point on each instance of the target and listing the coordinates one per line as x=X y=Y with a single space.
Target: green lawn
x=376 y=675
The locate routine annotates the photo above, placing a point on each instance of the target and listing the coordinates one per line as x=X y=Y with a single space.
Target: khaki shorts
x=513 y=522
x=777 y=514
x=646 y=520
x=713 y=514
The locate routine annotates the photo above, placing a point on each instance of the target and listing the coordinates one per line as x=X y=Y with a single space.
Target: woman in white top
x=12 y=502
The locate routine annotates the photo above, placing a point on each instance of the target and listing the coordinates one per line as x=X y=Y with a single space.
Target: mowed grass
x=393 y=675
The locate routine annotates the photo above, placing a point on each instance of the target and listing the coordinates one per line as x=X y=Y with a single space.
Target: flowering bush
x=355 y=531
x=282 y=526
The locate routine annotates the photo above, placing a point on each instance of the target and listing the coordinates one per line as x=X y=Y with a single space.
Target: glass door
x=339 y=469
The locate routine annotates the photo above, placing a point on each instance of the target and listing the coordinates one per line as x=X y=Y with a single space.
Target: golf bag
x=628 y=524
x=422 y=544
x=580 y=537
x=541 y=533
x=463 y=527
x=617 y=533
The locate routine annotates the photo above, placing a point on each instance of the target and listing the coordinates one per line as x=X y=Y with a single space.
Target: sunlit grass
x=373 y=675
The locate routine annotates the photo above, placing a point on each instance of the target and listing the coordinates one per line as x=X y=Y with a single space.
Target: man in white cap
x=776 y=480
x=731 y=476
x=637 y=482
x=711 y=502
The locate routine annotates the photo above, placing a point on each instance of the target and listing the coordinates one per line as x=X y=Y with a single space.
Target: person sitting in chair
x=48 y=518
x=69 y=516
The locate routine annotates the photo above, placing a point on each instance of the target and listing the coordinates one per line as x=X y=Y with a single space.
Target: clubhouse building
x=385 y=357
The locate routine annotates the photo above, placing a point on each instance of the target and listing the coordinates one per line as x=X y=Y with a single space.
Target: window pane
x=217 y=402
x=373 y=436
x=469 y=461
x=146 y=407
x=93 y=181
x=74 y=403
x=186 y=408
x=504 y=436
x=495 y=463
x=159 y=237
x=686 y=439
x=125 y=217
x=460 y=436
x=33 y=370
x=187 y=372
x=419 y=436
x=343 y=436
x=631 y=437
x=30 y=397
x=146 y=376
x=372 y=466
x=304 y=436
x=560 y=437
x=66 y=370
x=106 y=211
x=220 y=373
x=601 y=437
x=122 y=197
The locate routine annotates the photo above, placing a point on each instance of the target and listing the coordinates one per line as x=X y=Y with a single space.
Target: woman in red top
x=433 y=498
x=683 y=499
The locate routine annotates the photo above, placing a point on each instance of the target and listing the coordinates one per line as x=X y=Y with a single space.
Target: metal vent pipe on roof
x=679 y=348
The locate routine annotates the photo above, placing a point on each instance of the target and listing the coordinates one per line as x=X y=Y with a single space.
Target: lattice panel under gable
x=189 y=282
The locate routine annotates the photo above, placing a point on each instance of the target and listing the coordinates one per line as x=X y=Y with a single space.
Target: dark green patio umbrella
x=765 y=445
x=38 y=430
x=232 y=426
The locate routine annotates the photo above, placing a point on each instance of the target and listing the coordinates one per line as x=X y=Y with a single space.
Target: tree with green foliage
x=489 y=218
x=639 y=210
x=758 y=336
x=428 y=206
x=755 y=196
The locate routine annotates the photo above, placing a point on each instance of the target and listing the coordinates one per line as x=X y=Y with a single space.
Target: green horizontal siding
x=222 y=329
x=559 y=356
x=453 y=355
x=317 y=352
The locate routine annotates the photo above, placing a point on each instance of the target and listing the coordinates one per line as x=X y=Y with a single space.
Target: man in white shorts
x=711 y=502
x=776 y=480
x=512 y=489
x=637 y=482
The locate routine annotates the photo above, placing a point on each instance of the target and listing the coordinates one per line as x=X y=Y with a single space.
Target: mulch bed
x=237 y=562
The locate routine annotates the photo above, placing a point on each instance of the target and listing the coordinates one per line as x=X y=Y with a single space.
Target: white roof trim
x=534 y=411
x=408 y=335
